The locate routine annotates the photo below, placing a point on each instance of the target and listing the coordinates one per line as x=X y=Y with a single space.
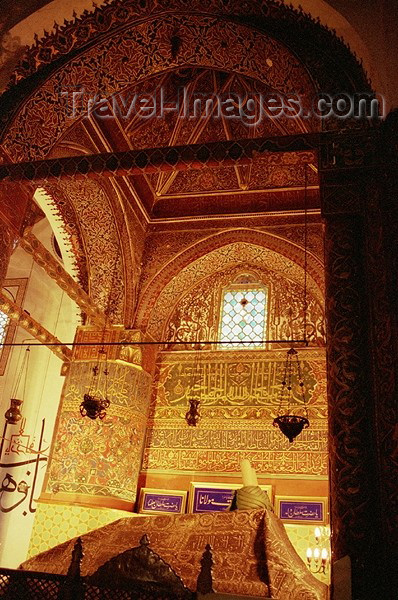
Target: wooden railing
x=30 y=585
x=117 y=579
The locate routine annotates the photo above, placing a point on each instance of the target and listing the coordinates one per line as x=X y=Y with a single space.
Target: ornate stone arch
x=96 y=232
x=142 y=51
x=218 y=251
x=119 y=43
x=330 y=62
x=137 y=53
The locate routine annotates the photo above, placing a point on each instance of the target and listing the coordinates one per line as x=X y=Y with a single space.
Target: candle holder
x=318 y=557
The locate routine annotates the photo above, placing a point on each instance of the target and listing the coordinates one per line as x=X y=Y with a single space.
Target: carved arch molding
x=220 y=252
x=120 y=47
x=142 y=51
x=330 y=62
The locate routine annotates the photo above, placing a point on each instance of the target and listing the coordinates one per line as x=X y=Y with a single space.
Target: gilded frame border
x=301 y=504
x=164 y=495
x=206 y=485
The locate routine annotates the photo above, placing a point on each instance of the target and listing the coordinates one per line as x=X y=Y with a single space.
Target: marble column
x=97 y=462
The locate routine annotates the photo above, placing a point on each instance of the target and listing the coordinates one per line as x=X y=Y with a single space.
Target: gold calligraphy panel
x=239 y=398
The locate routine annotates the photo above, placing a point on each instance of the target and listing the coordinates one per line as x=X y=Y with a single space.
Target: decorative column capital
x=120 y=345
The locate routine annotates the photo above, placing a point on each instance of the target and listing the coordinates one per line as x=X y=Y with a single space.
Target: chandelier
x=318 y=558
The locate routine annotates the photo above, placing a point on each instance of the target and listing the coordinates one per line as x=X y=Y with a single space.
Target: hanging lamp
x=192 y=416
x=95 y=401
x=289 y=422
x=13 y=414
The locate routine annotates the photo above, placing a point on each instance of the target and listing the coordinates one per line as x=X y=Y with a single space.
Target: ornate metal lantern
x=93 y=407
x=13 y=414
x=192 y=416
x=95 y=402
x=291 y=424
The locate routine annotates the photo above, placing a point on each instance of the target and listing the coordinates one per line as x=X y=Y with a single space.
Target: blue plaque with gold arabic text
x=300 y=510
x=158 y=501
x=212 y=499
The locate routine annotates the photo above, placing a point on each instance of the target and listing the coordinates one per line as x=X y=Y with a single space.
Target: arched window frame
x=244 y=283
x=15 y=289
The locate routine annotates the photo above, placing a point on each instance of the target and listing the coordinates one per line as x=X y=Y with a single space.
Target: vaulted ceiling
x=272 y=182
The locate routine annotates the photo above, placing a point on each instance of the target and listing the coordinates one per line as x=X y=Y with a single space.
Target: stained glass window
x=243 y=316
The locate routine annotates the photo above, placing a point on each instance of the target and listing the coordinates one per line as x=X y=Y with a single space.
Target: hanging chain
x=305 y=300
x=301 y=385
x=24 y=367
x=284 y=395
x=192 y=416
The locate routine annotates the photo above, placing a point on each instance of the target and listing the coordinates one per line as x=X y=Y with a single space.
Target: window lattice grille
x=243 y=317
x=3 y=327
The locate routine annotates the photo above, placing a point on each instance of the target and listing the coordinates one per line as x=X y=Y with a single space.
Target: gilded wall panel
x=223 y=258
x=196 y=316
x=100 y=458
x=266 y=463
x=239 y=393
